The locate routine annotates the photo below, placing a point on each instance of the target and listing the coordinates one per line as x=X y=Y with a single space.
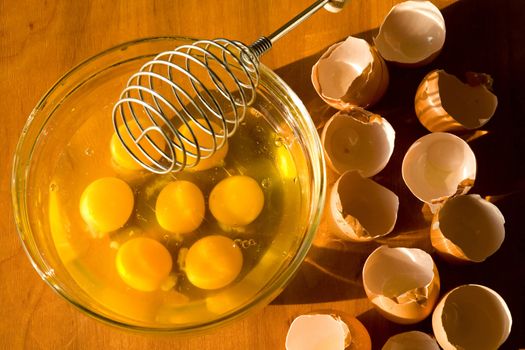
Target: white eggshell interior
x=335 y=6
x=413 y=340
x=338 y=70
x=314 y=332
x=394 y=271
x=471 y=106
x=436 y=164
x=374 y=206
x=471 y=317
x=411 y=32
x=473 y=224
x=351 y=144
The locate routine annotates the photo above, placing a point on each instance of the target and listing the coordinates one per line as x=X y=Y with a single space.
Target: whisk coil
x=206 y=84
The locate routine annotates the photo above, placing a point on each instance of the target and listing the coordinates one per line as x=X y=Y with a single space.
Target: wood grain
x=41 y=40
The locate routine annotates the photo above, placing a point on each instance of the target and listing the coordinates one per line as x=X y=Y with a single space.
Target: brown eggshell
x=444 y=103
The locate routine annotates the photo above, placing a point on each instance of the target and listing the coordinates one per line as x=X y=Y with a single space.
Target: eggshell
x=412 y=33
x=467 y=228
x=402 y=283
x=312 y=332
x=471 y=317
x=358 y=140
x=349 y=74
x=411 y=341
x=438 y=166
x=327 y=330
x=361 y=209
x=359 y=337
x=445 y=103
x=335 y=6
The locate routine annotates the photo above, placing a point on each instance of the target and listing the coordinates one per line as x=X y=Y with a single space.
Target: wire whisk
x=181 y=107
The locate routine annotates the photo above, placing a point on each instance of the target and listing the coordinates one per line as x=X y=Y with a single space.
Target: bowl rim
x=20 y=174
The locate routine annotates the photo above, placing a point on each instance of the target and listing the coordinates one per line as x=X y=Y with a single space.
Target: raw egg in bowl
x=175 y=253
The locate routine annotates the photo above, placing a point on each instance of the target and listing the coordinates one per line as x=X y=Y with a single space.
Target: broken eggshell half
x=467 y=228
x=358 y=140
x=410 y=341
x=360 y=209
x=350 y=73
x=438 y=166
x=445 y=103
x=471 y=317
x=412 y=33
x=402 y=283
x=327 y=331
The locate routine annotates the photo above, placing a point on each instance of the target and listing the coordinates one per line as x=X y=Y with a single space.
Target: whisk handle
x=264 y=43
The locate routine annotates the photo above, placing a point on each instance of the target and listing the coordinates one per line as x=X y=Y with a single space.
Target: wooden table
x=41 y=40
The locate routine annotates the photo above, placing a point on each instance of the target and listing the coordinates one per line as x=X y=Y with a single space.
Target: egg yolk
x=236 y=200
x=180 y=207
x=143 y=263
x=121 y=155
x=213 y=262
x=205 y=140
x=106 y=204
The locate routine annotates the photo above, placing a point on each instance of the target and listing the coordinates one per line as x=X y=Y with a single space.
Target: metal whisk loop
x=202 y=86
x=182 y=106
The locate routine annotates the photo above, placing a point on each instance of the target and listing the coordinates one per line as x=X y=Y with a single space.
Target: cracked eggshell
x=358 y=140
x=327 y=331
x=311 y=332
x=467 y=228
x=445 y=103
x=360 y=209
x=438 y=166
x=412 y=33
x=482 y=309
x=349 y=74
x=402 y=283
x=410 y=341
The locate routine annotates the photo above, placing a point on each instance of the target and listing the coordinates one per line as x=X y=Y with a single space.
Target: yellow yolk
x=213 y=262
x=236 y=200
x=106 y=204
x=122 y=157
x=143 y=263
x=180 y=207
x=205 y=140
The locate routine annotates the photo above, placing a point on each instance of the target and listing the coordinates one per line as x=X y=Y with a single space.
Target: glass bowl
x=65 y=145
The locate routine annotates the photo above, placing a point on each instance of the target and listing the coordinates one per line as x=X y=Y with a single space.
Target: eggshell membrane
x=402 y=283
x=350 y=74
x=410 y=341
x=358 y=140
x=482 y=309
x=467 y=228
x=412 y=33
x=320 y=331
x=445 y=103
x=361 y=209
x=437 y=166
